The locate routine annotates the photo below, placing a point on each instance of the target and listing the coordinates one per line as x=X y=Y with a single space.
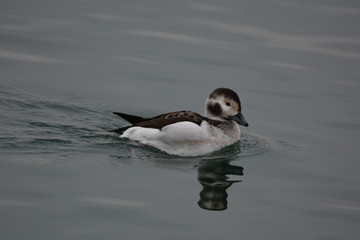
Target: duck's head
x=224 y=104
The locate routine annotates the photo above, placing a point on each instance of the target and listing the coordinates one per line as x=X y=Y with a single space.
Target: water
x=65 y=66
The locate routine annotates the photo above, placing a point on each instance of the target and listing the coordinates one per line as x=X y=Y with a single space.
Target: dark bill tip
x=239 y=118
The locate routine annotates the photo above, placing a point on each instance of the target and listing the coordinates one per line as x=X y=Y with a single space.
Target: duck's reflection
x=216 y=175
x=215 y=181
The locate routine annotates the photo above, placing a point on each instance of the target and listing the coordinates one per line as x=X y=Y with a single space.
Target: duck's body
x=187 y=133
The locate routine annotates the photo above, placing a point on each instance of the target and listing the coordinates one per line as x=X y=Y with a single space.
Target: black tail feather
x=130 y=118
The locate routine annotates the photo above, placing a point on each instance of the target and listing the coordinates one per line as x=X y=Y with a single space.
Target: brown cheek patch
x=215 y=109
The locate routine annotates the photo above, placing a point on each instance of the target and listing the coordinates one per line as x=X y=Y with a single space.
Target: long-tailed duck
x=186 y=133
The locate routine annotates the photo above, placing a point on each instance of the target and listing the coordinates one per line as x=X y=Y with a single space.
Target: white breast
x=186 y=138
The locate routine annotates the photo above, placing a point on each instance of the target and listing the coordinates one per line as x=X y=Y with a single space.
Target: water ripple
x=53 y=125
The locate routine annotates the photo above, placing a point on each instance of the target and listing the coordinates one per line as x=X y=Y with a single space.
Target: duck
x=187 y=133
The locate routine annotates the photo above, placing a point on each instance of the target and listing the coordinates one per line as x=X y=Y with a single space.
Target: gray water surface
x=65 y=66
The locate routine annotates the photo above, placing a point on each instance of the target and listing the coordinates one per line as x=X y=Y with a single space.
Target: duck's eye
x=227 y=104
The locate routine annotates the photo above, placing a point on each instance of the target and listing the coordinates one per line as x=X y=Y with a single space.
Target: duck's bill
x=239 y=118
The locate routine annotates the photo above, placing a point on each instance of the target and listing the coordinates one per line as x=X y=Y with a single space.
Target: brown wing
x=161 y=121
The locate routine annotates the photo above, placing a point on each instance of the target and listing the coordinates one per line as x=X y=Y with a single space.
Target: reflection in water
x=215 y=173
x=314 y=44
x=213 y=177
x=19 y=56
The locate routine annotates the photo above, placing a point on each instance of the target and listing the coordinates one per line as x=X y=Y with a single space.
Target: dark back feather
x=163 y=120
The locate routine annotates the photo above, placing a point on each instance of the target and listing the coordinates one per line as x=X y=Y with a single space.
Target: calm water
x=65 y=66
